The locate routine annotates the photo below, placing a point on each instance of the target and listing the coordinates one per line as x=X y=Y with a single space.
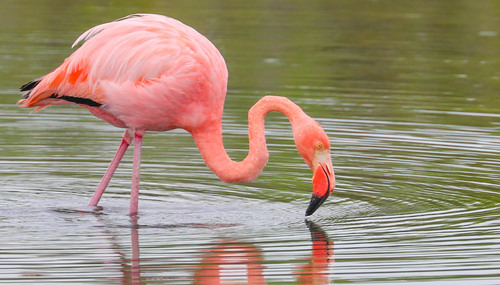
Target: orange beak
x=323 y=182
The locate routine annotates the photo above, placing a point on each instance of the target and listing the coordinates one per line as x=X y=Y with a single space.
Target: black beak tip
x=316 y=201
x=310 y=211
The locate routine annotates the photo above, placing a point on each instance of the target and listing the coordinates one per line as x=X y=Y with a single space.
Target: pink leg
x=136 y=170
x=127 y=139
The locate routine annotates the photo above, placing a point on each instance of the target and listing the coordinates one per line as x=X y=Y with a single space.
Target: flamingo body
x=145 y=72
x=149 y=72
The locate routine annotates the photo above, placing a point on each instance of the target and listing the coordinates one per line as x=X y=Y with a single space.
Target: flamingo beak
x=323 y=182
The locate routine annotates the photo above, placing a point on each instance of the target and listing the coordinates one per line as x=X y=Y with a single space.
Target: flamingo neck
x=211 y=146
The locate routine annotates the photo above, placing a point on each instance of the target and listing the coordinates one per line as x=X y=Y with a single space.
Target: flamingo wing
x=142 y=54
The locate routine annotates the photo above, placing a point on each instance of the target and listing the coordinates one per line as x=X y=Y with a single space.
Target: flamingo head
x=314 y=146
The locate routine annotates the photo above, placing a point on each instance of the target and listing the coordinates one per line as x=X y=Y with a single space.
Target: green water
x=408 y=91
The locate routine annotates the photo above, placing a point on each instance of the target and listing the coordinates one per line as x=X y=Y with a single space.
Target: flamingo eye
x=319 y=145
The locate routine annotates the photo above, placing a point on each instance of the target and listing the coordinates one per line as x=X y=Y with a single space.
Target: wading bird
x=149 y=72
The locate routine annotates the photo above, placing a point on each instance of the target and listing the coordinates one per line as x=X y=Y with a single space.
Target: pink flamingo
x=149 y=72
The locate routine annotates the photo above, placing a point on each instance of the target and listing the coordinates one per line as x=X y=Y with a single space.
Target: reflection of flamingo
x=153 y=73
x=242 y=262
x=322 y=255
x=230 y=262
x=135 y=271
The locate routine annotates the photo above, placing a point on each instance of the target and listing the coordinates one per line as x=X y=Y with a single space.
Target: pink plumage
x=149 y=72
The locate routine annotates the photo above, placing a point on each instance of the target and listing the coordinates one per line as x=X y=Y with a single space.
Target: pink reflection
x=236 y=262
x=316 y=270
x=134 y=236
x=231 y=263
x=241 y=263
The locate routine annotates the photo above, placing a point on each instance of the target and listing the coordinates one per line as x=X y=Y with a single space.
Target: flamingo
x=148 y=72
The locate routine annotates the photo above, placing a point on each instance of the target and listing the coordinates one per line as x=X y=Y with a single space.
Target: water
x=407 y=90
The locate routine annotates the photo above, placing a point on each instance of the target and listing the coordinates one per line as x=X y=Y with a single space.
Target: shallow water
x=407 y=91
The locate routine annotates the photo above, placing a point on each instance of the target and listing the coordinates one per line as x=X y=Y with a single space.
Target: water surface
x=407 y=91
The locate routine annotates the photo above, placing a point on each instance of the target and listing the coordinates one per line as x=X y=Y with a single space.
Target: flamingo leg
x=136 y=170
x=127 y=139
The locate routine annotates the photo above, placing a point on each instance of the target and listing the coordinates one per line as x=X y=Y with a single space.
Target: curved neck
x=211 y=146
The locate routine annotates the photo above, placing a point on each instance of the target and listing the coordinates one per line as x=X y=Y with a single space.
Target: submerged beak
x=323 y=182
